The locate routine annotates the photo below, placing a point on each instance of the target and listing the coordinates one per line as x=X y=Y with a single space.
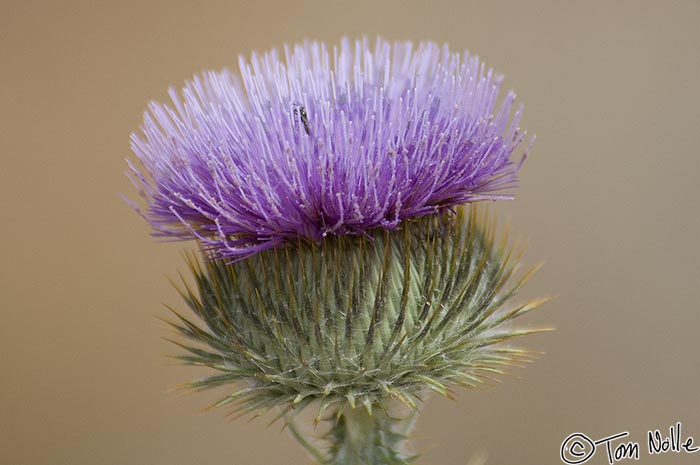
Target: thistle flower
x=324 y=142
x=340 y=266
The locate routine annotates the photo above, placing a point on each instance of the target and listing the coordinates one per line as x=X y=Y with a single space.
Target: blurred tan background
x=609 y=198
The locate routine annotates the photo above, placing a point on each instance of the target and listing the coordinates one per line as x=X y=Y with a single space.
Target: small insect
x=300 y=112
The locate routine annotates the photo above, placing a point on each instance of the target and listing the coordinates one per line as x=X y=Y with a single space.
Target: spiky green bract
x=357 y=321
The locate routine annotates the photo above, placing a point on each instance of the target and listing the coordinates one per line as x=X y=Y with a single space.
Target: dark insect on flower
x=300 y=112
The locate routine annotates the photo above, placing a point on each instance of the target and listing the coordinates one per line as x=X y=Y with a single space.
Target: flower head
x=340 y=177
x=324 y=142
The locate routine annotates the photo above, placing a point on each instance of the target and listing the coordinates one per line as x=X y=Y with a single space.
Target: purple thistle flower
x=322 y=142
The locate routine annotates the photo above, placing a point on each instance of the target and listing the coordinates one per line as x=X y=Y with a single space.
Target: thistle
x=340 y=267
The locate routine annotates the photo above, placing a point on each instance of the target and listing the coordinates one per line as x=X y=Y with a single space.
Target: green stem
x=361 y=438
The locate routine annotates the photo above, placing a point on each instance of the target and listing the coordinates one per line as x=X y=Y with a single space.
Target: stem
x=361 y=438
